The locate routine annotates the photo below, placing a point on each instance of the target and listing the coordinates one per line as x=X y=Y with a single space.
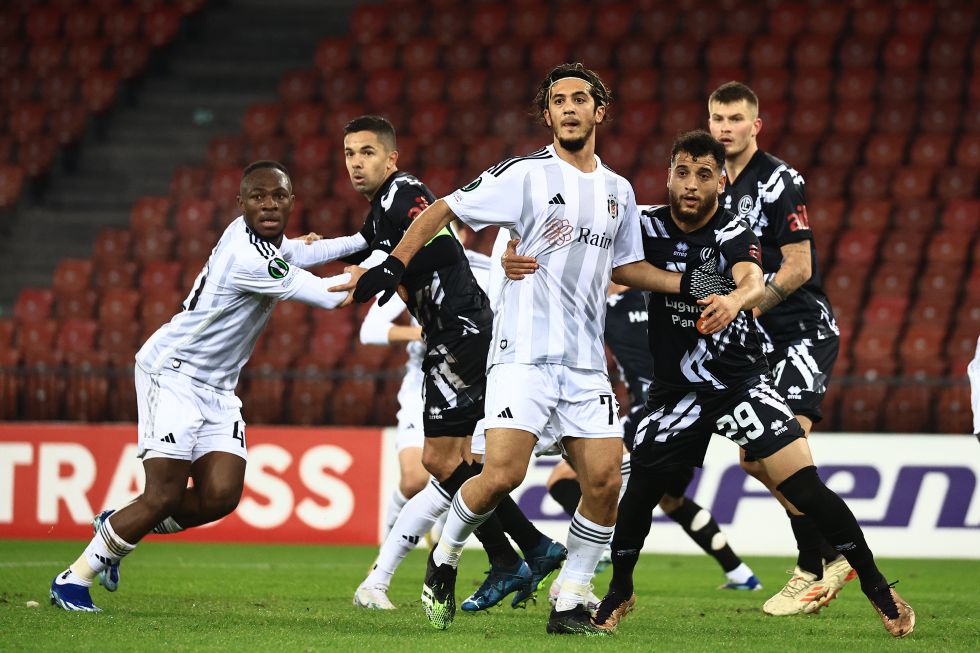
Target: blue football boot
x=498 y=584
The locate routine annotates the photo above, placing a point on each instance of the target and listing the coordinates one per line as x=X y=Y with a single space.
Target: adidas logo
x=386 y=243
x=104 y=560
x=412 y=539
x=557 y=199
x=388 y=272
x=168 y=438
x=505 y=413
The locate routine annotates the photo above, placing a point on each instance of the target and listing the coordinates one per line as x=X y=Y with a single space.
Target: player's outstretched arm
x=313 y=249
x=720 y=310
x=643 y=276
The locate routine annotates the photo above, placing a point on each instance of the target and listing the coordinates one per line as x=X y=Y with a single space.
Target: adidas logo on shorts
x=169 y=437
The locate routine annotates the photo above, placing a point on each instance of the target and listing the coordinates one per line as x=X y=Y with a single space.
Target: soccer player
x=547 y=363
x=973 y=371
x=800 y=337
x=626 y=336
x=455 y=316
x=190 y=420
x=710 y=376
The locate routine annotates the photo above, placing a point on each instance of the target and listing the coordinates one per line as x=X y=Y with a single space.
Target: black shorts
x=677 y=425
x=455 y=386
x=801 y=371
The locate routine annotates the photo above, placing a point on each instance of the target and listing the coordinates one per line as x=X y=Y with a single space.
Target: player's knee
x=604 y=488
x=669 y=504
x=502 y=480
x=162 y=502
x=804 y=489
x=412 y=483
x=222 y=500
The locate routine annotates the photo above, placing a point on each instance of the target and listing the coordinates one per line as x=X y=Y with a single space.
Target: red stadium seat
x=656 y=22
x=226 y=151
x=826 y=217
x=943 y=85
x=772 y=84
x=193 y=216
x=684 y=88
x=916 y=216
x=845 y=283
x=377 y=56
x=368 y=23
x=427 y=86
x=33 y=304
x=87 y=386
x=36 y=156
x=119 y=340
x=885 y=313
x=451 y=23
x=297 y=86
x=953 y=412
x=59 y=87
x=885 y=149
x=678 y=55
x=810 y=119
x=121 y=25
x=961 y=216
x=600 y=55
x=940 y=281
x=11 y=182
x=825 y=183
x=420 y=54
x=726 y=51
x=99 y=90
x=958 y=183
x=894 y=119
x=467 y=86
x=130 y=58
x=311 y=153
x=10 y=383
x=443 y=153
x=160 y=276
x=903 y=247
x=613 y=22
x=547 y=53
x=968 y=151
x=302 y=120
x=82 y=23
x=930 y=311
x=870 y=215
x=43 y=387
x=333 y=55
x=149 y=214
x=119 y=306
x=530 y=23
x=620 y=152
x=893 y=280
x=428 y=122
x=908 y=409
x=307 y=397
x=573 y=20
x=811 y=85
x=840 y=151
x=72 y=275
x=159 y=305
x=939 y=118
x=922 y=342
x=902 y=51
x=681 y=117
x=11 y=56
x=77 y=305
x=870 y=183
x=930 y=150
x=855 y=85
x=912 y=183
x=463 y=55
x=45 y=56
x=66 y=123
x=641 y=120
x=27 y=121
x=113 y=272
x=86 y=55
x=948 y=248
x=633 y=58
x=853 y=119
x=488 y=23
x=962 y=343
x=160 y=25
x=261 y=121
x=860 y=408
x=156 y=246
x=636 y=87
x=799 y=149
x=352 y=401
x=193 y=248
x=947 y=52
x=77 y=335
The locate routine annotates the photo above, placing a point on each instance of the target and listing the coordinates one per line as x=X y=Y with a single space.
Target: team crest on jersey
x=613 y=206
x=744 y=205
x=706 y=253
x=278 y=268
x=472 y=185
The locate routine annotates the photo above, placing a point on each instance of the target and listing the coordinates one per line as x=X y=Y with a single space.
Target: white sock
x=739 y=574
x=105 y=549
x=414 y=520
x=586 y=542
x=395 y=503
x=436 y=532
x=70 y=577
x=459 y=526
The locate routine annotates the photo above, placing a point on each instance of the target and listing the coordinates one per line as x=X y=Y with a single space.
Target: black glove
x=703 y=280
x=382 y=278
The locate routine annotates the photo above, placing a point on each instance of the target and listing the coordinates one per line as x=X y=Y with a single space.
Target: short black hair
x=600 y=94
x=378 y=125
x=699 y=143
x=255 y=165
x=732 y=92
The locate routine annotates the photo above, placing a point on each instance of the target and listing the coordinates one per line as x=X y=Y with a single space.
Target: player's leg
x=564 y=488
x=792 y=468
x=412 y=479
x=701 y=527
x=219 y=480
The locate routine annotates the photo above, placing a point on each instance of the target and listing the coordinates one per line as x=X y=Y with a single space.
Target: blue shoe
x=752 y=584
x=70 y=596
x=499 y=583
x=543 y=565
x=108 y=577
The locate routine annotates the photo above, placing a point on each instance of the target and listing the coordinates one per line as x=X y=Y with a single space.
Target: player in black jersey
x=711 y=377
x=625 y=334
x=800 y=336
x=442 y=294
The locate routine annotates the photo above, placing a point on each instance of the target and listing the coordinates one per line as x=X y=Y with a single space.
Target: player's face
x=369 y=162
x=693 y=187
x=735 y=125
x=266 y=199
x=572 y=113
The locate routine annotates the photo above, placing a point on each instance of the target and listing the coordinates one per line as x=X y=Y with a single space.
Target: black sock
x=836 y=523
x=705 y=534
x=808 y=540
x=459 y=476
x=518 y=526
x=643 y=493
x=495 y=543
x=567 y=492
x=827 y=552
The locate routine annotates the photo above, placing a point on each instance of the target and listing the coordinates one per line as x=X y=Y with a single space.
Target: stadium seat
x=958 y=183
x=66 y=123
x=335 y=119
x=43 y=385
x=86 y=55
x=810 y=118
x=99 y=90
x=826 y=217
x=841 y=150
x=902 y=51
x=940 y=281
x=962 y=341
x=640 y=121
x=845 y=283
x=771 y=83
x=302 y=120
x=118 y=306
x=160 y=276
x=961 y=216
x=885 y=313
x=922 y=343
x=912 y=183
x=129 y=59
x=853 y=119
x=86 y=386
x=113 y=271
x=676 y=54
x=33 y=305
x=893 y=280
x=968 y=151
x=546 y=53
x=463 y=55
x=119 y=340
x=298 y=85
x=650 y=185
x=77 y=305
x=915 y=216
x=156 y=246
x=860 y=408
x=332 y=55
x=158 y=306
x=903 y=248
x=160 y=25
x=310 y=153
x=953 y=412
x=908 y=409
x=468 y=86
x=656 y=22
x=855 y=85
x=308 y=395
x=352 y=402
x=930 y=150
x=45 y=57
x=939 y=118
x=530 y=23
x=368 y=23
x=811 y=85
x=26 y=121
x=929 y=310
x=573 y=20
x=149 y=214
x=947 y=52
x=870 y=183
x=681 y=116
x=949 y=248
x=261 y=121
x=857 y=247
x=10 y=383
x=943 y=85
x=36 y=155
x=59 y=87
x=870 y=215
x=76 y=335
x=483 y=153
x=426 y=86
x=894 y=119
x=71 y=276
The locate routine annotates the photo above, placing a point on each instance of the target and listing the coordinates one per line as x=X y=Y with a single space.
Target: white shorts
x=183 y=420
x=548 y=443
x=411 y=431
x=552 y=401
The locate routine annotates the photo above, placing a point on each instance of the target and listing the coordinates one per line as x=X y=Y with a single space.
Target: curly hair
x=600 y=94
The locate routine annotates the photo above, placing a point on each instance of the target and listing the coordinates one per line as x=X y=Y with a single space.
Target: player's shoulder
x=515 y=165
x=403 y=186
x=653 y=220
x=730 y=226
x=250 y=251
x=772 y=168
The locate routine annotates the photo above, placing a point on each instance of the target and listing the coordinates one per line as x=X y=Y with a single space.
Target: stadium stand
x=877 y=106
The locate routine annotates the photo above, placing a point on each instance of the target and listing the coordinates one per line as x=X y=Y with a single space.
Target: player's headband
x=570 y=74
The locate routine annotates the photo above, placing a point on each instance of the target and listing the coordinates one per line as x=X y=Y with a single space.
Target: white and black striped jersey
x=769 y=195
x=232 y=299
x=442 y=293
x=578 y=226
x=626 y=335
x=683 y=358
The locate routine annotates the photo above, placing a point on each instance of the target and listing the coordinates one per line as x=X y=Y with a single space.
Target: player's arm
x=720 y=310
x=379 y=328
x=794 y=271
x=312 y=249
x=274 y=277
x=643 y=276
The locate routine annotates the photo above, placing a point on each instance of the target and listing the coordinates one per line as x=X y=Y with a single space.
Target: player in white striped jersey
x=190 y=421
x=579 y=219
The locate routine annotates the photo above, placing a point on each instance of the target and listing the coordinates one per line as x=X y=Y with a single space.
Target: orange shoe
x=887 y=601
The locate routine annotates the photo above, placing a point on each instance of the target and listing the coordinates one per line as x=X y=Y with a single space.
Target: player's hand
x=718 y=313
x=383 y=278
x=309 y=238
x=703 y=280
x=756 y=313
x=516 y=266
x=355 y=272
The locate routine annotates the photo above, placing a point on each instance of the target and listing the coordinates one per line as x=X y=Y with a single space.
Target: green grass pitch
x=200 y=597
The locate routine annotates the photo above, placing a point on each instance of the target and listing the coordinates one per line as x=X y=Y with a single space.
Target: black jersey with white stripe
x=769 y=195
x=682 y=356
x=443 y=294
x=626 y=335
